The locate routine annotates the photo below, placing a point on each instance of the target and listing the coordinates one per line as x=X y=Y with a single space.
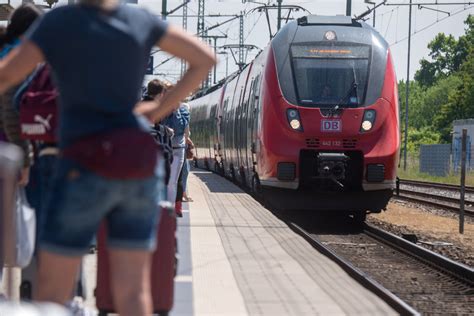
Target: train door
x=237 y=135
x=254 y=112
x=230 y=128
x=244 y=132
x=226 y=130
x=212 y=134
x=218 y=125
x=221 y=126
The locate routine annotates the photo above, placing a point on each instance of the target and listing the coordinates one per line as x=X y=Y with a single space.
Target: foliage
x=460 y=103
x=447 y=55
x=416 y=137
x=443 y=89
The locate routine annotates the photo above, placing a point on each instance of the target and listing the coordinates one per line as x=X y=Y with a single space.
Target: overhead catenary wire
x=388 y=24
x=432 y=24
x=396 y=25
x=225 y=33
x=253 y=26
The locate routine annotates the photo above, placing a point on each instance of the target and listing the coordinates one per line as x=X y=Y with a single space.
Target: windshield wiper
x=336 y=107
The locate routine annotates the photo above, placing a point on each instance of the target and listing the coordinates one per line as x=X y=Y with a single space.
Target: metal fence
x=435 y=159
x=441 y=159
x=458 y=126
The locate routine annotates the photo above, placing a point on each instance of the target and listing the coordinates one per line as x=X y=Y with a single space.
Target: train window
x=325 y=76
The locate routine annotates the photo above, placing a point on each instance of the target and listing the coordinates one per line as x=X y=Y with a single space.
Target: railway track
x=411 y=279
x=449 y=187
x=436 y=200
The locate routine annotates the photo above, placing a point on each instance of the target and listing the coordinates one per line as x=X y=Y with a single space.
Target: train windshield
x=330 y=75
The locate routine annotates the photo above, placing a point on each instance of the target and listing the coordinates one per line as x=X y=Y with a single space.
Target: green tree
x=417 y=137
x=460 y=103
x=443 y=53
x=447 y=55
x=430 y=101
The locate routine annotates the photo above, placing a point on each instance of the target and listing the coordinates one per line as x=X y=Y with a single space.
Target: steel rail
x=420 y=197
x=424 y=184
x=456 y=269
x=435 y=196
x=391 y=299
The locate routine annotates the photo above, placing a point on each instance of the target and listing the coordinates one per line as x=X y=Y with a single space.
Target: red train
x=311 y=123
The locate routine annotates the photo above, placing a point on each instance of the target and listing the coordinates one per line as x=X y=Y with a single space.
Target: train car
x=311 y=123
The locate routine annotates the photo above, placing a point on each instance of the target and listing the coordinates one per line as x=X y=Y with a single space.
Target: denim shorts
x=79 y=200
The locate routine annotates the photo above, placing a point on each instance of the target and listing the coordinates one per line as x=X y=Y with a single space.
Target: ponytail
x=3 y=36
x=21 y=19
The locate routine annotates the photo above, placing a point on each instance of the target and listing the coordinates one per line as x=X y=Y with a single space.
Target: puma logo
x=43 y=121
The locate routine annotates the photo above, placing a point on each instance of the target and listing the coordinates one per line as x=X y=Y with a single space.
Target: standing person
x=186 y=166
x=99 y=40
x=162 y=134
x=177 y=121
x=21 y=19
x=154 y=90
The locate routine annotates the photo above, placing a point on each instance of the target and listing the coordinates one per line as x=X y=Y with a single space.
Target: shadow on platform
x=216 y=183
x=314 y=221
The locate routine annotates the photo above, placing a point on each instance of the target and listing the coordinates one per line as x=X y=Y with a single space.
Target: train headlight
x=330 y=35
x=368 y=121
x=293 y=117
x=366 y=126
x=295 y=124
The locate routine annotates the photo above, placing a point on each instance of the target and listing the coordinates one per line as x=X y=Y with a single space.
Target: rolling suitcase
x=162 y=274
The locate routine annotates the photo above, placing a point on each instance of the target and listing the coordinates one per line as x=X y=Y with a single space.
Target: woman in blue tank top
x=87 y=45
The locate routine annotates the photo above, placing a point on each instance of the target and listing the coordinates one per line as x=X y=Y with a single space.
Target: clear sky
x=391 y=22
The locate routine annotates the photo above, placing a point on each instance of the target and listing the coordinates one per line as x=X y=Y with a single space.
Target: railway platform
x=237 y=258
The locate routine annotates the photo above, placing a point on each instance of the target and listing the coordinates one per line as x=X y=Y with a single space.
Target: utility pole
x=241 y=40
x=215 y=38
x=373 y=11
x=200 y=23
x=163 y=9
x=407 y=90
x=279 y=15
x=209 y=74
x=349 y=7
x=202 y=33
x=185 y=27
x=373 y=19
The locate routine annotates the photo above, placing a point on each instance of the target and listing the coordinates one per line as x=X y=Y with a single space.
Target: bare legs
x=130 y=277
x=56 y=277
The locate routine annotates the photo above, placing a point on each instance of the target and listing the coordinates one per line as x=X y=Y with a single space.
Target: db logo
x=331 y=125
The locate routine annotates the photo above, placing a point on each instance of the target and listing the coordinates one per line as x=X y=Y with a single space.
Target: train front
x=330 y=118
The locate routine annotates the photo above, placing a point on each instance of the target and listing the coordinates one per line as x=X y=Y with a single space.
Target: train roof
x=326 y=20
x=312 y=28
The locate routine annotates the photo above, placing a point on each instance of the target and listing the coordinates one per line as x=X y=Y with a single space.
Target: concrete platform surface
x=237 y=258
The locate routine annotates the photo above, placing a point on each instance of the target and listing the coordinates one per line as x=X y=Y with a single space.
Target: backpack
x=39 y=108
x=163 y=137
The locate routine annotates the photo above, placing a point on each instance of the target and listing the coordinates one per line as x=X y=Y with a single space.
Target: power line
x=433 y=3
x=388 y=24
x=430 y=25
x=253 y=26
